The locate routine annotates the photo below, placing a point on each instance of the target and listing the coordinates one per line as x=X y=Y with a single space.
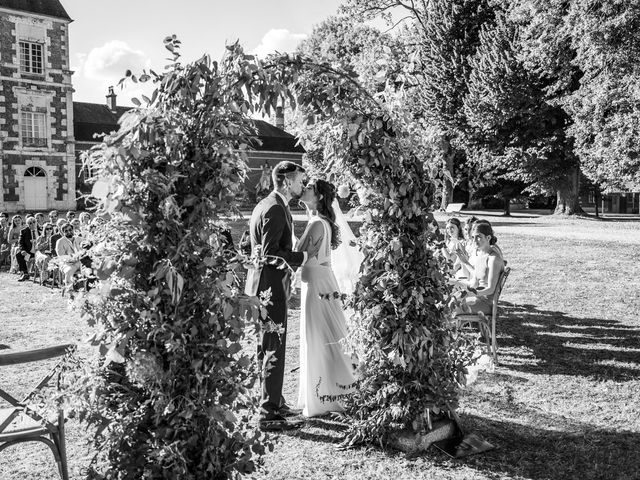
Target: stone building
x=37 y=148
x=93 y=119
x=43 y=131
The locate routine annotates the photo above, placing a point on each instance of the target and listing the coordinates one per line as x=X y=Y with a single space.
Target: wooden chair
x=21 y=422
x=487 y=323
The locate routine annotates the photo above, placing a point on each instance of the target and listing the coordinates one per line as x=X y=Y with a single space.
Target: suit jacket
x=66 y=247
x=27 y=240
x=271 y=227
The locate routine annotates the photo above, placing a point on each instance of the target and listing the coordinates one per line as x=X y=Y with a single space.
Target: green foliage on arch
x=171 y=391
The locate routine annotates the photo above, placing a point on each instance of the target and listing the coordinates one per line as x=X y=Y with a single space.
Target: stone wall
x=49 y=93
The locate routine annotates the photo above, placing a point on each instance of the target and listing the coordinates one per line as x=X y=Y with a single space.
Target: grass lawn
x=564 y=403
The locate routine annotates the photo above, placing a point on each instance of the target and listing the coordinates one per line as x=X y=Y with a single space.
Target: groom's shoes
x=278 y=423
x=288 y=412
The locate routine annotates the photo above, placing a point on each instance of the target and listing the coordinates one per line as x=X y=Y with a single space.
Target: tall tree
x=606 y=107
x=445 y=37
x=511 y=118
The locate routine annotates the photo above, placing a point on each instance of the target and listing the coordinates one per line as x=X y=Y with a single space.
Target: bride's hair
x=328 y=193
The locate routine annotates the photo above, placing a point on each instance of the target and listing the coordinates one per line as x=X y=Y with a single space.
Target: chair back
x=31 y=356
x=502 y=279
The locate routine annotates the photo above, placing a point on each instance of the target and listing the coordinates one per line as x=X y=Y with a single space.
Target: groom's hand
x=314 y=247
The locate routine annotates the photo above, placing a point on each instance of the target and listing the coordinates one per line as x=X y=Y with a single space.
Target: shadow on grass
x=535 y=453
x=553 y=343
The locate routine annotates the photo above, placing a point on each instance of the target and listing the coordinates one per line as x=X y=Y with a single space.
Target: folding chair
x=487 y=323
x=21 y=422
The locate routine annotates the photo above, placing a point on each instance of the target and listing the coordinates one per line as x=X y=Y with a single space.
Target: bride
x=326 y=372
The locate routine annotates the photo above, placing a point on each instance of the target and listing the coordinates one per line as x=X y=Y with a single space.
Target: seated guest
x=5 y=248
x=53 y=217
x=78 y=232
x=27 y=241
x=85 y=219
x=13 y=237
x=69 y=253
x=57 y=234
x=454 y=240
x=43 y=251
x=488 y=266
x=40 y=219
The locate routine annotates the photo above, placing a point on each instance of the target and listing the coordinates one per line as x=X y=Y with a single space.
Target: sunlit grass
x=562 y=404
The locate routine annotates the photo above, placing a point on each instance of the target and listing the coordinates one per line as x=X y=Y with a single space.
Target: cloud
x=278 y=40
x=112 y=60
x=104 y=66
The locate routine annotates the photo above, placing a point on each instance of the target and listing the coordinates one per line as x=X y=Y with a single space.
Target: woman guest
x=488 y=266
x=454 y=240
x=13 y=237
x=43 y=251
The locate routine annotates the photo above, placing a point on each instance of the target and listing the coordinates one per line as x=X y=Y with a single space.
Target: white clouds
x=112 y=60
x=278 y=40
x=104 y=66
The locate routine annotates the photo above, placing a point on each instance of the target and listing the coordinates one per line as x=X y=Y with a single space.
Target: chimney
x=280 y=117
x=111 y=100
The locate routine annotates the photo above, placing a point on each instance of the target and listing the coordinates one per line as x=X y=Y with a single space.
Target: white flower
x=363 y=195
x=343 y=190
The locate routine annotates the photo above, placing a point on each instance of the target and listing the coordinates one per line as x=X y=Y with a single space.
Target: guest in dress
x=13 y=237
x=454 y=240
x=43 y=251
x=488 y=266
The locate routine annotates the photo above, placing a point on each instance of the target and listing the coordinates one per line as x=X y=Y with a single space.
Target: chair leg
x=62 y=446
x=494 y=341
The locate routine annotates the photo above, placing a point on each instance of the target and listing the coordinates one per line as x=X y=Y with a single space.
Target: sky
x=108 y=37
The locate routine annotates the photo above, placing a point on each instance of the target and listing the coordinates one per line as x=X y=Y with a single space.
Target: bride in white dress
x=326 y=372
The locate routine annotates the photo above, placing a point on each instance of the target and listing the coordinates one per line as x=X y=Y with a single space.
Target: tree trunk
x=447 y=184
x=567 y=195
x=473 y=203
x=507 y=207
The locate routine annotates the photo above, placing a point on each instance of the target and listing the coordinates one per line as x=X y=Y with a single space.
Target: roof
x=275 y=139
x=50 y=8
x=95 y=118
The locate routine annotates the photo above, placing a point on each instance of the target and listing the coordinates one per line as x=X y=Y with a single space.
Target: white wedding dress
x=326 y=372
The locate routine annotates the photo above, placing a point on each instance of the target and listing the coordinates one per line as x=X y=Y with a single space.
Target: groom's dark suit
x=271 y=228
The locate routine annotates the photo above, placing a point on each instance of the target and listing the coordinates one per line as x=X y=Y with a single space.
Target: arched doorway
x=35 y=189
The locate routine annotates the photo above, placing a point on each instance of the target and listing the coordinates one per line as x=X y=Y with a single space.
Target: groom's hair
x=284 y=170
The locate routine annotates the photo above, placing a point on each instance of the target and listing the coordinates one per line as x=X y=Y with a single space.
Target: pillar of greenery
x=171 y=393
x=411 y=355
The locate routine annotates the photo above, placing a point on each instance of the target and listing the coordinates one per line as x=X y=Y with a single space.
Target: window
x=31 y=57
x=33 y=129
x=34 y=172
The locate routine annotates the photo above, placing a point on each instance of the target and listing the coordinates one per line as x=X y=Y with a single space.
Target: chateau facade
x=43 y=131
x=37 y=154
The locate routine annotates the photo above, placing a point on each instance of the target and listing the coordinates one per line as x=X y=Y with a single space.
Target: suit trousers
x=271 y=355
x=22 y=263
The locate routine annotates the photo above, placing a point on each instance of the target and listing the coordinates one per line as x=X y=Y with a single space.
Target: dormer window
x=31 y=57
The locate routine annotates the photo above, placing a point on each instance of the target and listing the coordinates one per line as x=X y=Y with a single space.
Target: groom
x=271 y=229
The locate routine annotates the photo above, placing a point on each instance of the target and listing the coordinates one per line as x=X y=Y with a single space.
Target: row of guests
x=477 y=262
x=41 y=241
